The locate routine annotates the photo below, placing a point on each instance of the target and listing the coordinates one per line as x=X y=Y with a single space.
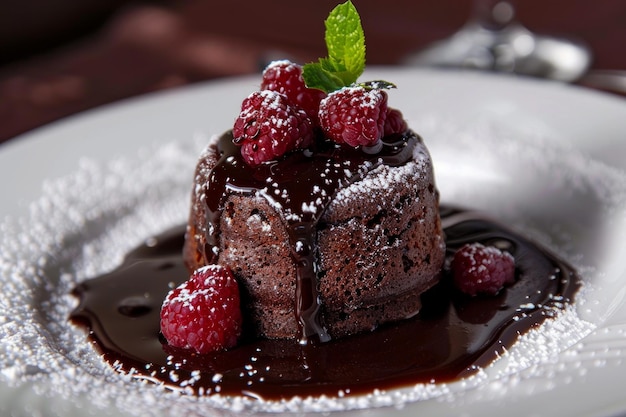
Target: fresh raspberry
x=394 y=122
x=482 y=269
x=204 y=312
x=285 y=77
x=354 y=116
x=269 y=126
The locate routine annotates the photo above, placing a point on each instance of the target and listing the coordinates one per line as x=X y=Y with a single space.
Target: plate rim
x=28 y=142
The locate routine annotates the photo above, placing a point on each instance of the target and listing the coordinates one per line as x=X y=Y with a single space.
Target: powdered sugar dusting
x=83 y=225
x=383 y=176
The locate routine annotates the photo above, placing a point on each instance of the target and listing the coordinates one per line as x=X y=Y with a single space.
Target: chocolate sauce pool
x=451 y=336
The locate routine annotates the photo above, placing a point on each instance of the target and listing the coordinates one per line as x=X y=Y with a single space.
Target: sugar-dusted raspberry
x=354 y=115
x=394 y=122
x=285 y=77
x=269 y=126
x=204 y=312
x=477 y=268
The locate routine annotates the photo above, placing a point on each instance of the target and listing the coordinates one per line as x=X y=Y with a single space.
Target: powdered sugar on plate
x=83 y=224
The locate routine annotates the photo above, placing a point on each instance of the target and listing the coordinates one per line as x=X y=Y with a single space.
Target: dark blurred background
x=64 y=56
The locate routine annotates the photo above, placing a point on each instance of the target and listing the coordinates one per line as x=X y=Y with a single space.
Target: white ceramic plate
x=544 y=157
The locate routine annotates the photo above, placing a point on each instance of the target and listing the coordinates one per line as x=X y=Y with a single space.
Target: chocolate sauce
x=301 y=187
x=451 y=336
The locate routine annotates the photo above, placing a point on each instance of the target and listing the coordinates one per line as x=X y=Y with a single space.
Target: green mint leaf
x=345 y=41
x=316 y=75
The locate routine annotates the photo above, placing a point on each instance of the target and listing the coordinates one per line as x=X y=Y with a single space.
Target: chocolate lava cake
x=363 y=229
x=320 y=200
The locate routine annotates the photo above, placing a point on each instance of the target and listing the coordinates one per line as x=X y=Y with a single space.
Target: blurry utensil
x=493 y=40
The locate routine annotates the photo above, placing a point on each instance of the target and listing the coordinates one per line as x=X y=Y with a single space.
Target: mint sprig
x=345 y=42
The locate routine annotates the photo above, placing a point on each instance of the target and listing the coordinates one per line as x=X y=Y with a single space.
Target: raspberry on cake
x=354 y=116
x=285 y=77
x=394 y=122
x=269 y=126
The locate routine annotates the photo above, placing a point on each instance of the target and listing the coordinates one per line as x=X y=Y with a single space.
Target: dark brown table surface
x=61 y=57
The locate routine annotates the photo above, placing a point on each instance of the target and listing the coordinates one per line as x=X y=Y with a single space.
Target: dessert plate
x=545 y=158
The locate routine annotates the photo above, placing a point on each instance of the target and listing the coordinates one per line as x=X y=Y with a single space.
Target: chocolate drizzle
x=300 y=188
x=451 y=336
